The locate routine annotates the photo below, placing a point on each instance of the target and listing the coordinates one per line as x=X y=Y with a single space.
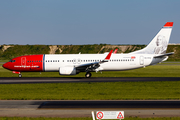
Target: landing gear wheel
x=88 y=75
x=20 y=75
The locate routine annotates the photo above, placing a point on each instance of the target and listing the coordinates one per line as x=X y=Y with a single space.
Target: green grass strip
x=159 y=90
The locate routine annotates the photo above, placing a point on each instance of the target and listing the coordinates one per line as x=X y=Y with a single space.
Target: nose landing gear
x=15 y=72
x=20 y=75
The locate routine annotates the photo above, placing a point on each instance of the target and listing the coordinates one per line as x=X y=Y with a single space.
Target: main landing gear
x=88 y=75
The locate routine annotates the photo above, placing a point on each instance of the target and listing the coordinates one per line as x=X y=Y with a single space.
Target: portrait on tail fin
x=161 y=45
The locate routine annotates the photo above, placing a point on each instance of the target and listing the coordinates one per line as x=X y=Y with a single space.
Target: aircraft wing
x=94 y=65
x=163 y=55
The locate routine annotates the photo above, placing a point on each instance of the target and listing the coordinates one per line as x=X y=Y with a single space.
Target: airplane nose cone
x=5 y=65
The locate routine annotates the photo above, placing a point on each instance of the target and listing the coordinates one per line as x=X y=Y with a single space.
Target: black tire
x=88 y=75
x=20 y=75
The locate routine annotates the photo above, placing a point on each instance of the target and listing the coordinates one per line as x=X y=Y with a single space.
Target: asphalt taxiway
x=13 y=80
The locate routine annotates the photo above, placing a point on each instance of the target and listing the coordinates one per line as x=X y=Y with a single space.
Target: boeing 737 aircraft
x=72 y=64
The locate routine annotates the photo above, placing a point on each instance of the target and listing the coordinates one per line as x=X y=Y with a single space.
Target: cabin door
x=23 y=61
x=141 y=60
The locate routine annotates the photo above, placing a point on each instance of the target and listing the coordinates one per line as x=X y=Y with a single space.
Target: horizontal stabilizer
x=163 y=55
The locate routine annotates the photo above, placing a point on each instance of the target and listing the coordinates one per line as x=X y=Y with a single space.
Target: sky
x=80 y=22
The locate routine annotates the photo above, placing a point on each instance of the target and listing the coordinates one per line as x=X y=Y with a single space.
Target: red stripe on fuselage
x=27 y=63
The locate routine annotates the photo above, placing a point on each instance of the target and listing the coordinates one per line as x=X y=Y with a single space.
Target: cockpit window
x=12 y=61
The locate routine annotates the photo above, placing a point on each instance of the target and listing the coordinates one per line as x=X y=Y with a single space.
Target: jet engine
x=67 y=71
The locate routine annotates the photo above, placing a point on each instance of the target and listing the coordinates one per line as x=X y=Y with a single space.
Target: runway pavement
x=83 y=108
x=13 y=80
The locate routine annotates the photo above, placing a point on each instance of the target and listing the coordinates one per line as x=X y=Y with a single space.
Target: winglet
x=109 y=55
x=115 y=51
x=168 y=24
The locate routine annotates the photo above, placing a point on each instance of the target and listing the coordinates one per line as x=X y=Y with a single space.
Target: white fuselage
x=53 y=62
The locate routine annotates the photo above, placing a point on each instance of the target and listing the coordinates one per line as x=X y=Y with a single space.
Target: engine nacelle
x=67 y=71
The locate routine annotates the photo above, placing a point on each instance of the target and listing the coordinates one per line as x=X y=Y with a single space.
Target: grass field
x=160 y=90
x=42 y=118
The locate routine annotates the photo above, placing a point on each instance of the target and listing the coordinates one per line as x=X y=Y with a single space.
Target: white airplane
x=72 y=64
